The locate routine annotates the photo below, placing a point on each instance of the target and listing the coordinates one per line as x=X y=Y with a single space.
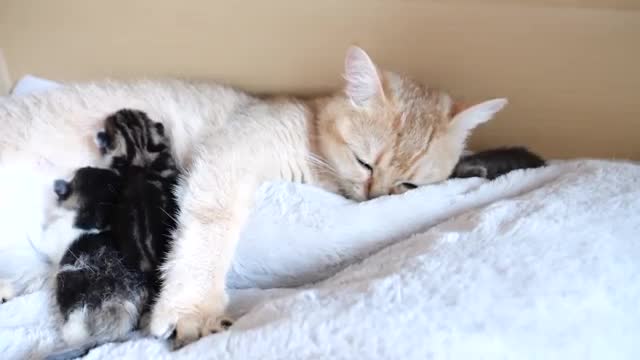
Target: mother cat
x=382 y=134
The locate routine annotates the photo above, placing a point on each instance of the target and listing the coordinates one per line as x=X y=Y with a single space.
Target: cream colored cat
x=382 y=134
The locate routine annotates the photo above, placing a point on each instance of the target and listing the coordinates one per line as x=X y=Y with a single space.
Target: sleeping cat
x=110 y=272
x=382 y=133
x=490 y=164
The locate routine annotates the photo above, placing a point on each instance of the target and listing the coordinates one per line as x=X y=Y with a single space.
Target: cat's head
x=91 y=194
x=386 y=134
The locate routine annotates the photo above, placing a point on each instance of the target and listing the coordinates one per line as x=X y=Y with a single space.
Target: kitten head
x=386 y=134
x=130 y=137
x=91 y=193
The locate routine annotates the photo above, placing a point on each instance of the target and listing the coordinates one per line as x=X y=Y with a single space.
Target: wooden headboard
x=569 y=67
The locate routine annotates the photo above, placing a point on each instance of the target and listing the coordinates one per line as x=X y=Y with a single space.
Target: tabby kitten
x=110 y=273
x=490 y=164
x=140 y=152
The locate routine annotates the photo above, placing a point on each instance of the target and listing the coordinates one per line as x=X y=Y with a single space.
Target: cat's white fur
x=35 y=233
x=228 y=143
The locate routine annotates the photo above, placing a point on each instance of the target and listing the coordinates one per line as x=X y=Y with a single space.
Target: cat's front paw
x=7 y=291
x=187 y=326
x=190 y=328
x=162 y=323
x=219 y=324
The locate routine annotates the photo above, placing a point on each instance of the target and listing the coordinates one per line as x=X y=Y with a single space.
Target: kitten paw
x=75 y=331
x=7 y=291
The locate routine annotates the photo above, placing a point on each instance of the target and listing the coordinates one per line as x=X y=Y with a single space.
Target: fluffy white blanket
x=539 y=264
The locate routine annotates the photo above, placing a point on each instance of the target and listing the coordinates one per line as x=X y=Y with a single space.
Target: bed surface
x=536 y=264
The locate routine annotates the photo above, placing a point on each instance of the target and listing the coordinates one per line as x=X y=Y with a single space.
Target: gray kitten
x=490 y=164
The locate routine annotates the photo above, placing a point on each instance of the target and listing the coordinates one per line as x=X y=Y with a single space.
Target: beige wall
x=570 y=67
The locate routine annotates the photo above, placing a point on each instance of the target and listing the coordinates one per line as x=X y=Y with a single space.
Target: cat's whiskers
x=321 y=164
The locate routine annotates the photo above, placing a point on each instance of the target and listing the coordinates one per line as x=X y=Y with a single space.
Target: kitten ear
x=362 y=76
x=466 y=120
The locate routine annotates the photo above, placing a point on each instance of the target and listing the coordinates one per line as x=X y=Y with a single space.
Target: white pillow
x=30 y=84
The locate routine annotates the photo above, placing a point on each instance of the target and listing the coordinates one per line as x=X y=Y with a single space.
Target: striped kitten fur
x=110 y=273
x=140 y=152
x=490 y=164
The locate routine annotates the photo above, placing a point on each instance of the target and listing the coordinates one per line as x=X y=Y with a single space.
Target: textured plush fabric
x=539 y=264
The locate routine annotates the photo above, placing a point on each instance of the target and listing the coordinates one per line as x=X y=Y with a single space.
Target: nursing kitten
x=110 y=273
x=382 y=133
x=493 y=163
x=99 y=298
x=145 y=213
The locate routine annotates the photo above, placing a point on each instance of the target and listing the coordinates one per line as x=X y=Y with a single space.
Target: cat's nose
x=61 y=188
x=375 y=188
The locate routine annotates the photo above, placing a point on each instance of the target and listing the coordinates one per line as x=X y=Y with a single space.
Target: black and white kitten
x=98 y=297
x=110 y=273
x=490 y=164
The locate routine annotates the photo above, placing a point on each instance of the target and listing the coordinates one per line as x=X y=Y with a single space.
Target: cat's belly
x=25 y=193
x=57 y=129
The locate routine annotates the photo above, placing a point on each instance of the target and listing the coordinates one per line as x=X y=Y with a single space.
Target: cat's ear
x=362 y=77
x=464 y=119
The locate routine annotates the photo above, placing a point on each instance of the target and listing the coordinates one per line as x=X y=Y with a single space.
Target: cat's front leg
x=193 y=298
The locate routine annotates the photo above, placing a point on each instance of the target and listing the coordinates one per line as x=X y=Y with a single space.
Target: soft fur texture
x=538 y=264
x=99 y=299
x=382 y=134
x=36 y=233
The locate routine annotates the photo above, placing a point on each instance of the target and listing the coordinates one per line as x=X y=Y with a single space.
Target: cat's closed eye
x=408 y=185
x=364 y=164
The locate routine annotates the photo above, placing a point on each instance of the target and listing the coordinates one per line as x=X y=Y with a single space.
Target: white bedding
x=539 y=264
